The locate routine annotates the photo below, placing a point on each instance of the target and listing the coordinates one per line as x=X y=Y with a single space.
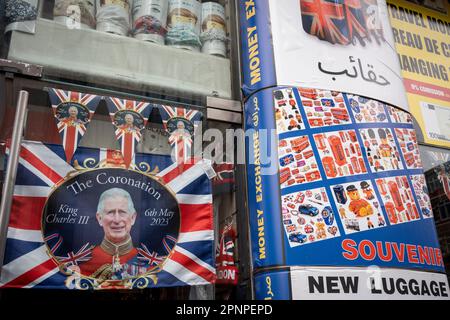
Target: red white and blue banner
x=227 y=270
x=73 y=111
x=94 y=224
x=129 y=118
x=181 y=124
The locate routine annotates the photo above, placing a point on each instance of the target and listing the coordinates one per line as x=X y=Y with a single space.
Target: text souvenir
x=130 y=118
x=94 y=224
x=343 y=190
x=181 y=124
x=73 y=111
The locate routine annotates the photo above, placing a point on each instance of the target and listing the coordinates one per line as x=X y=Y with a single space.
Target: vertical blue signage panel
x=256 y=46
x=263 y=185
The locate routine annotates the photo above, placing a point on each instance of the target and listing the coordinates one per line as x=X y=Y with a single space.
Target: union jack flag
x=151 y=257
x=342 y=22
x=225 y=250
x=28 y=262
x=180 y=139
x=72 y=129
x=356 y=20
x=325 y=19
x=128 y=134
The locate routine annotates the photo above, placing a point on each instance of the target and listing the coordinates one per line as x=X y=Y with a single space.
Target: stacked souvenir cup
x=75 y=14
x=183 y=22
x=113 y=16
x=213 y=34
x=149 y=20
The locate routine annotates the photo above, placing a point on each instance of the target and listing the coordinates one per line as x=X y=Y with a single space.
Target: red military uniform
x=100 y=266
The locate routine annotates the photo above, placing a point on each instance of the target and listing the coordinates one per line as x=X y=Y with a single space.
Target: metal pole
x=11 y=170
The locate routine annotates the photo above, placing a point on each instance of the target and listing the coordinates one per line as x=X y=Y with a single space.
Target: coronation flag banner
x=130 y=118
x=73 y=111
x=67 y=219
x=180 y=123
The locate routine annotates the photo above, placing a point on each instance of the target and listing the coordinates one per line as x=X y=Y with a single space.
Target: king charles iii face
x=129 y=119
x=73 y=112
x=116 y=219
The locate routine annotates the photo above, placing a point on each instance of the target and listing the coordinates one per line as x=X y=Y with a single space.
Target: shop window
x=146 y=50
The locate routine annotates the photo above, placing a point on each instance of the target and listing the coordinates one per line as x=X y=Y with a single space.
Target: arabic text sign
x=341 y=47
x=422 y=41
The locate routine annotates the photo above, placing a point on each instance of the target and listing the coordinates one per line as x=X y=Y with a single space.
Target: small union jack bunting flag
x=181 y=125
x=130 y=118
x=73 y=111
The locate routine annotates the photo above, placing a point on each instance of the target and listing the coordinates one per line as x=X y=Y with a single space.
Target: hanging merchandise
x=227 y=271
x=20 y=15
x=213 y=34
x=224 y=181
x=73 y=111
x=180 y=123
x=75 y=14
x=113 y=16
x=130 y=118
x=61 y=235
x=183 y=24
x=149 y=20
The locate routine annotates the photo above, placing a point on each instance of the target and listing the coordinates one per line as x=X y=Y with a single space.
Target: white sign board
x=343 y=46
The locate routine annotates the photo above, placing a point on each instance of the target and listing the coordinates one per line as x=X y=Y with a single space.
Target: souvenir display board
x=344 y=194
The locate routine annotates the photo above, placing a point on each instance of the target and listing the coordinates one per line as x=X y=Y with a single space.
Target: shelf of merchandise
x=95 y=57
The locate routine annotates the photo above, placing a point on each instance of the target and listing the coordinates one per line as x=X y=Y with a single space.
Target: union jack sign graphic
x=341 y=22
x=325 y=19
x=130 y=118
x=34 y=262
x=73 y=111
x=151 y=257
x=82 y=255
